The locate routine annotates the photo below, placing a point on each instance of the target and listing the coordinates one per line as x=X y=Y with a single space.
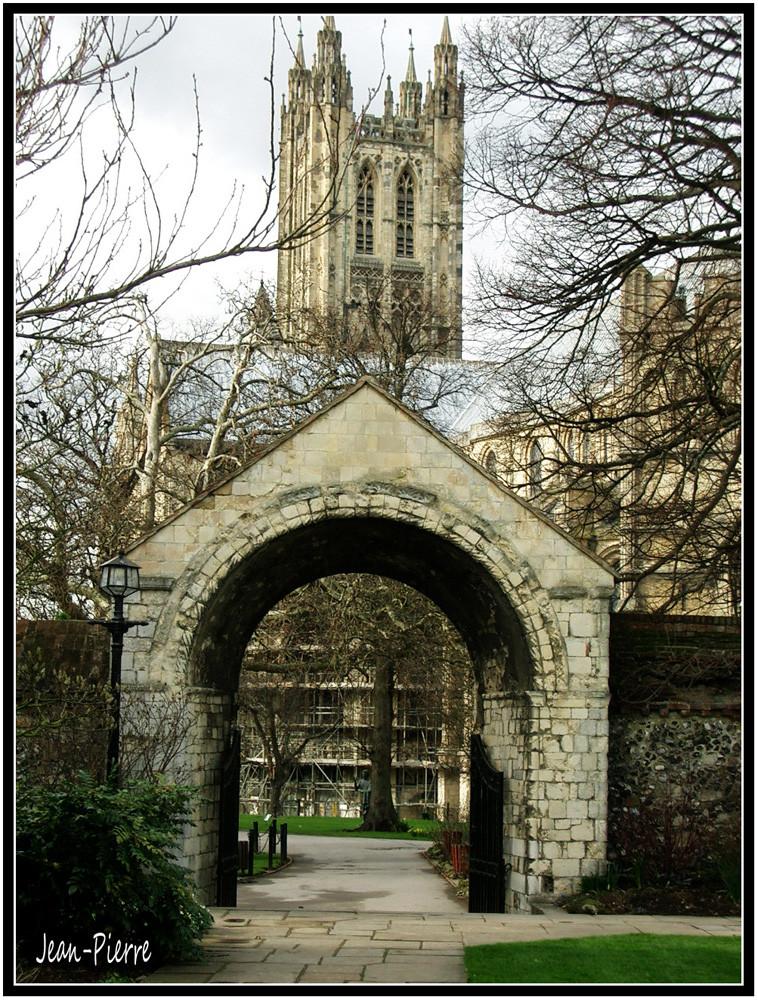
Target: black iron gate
x=228 y=831
x=486 y=871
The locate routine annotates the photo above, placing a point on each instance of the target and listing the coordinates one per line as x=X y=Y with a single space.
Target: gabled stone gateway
x=365 y=485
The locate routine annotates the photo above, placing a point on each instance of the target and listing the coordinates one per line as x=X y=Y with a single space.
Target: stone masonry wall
x=656 y=756
x=675 y=716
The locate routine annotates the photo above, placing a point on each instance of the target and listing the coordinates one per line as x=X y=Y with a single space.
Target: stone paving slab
x=278 y=947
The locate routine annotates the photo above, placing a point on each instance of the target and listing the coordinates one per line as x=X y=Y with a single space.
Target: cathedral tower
x=387 y=190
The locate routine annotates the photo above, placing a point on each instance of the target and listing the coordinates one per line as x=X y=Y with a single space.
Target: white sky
x=229 y=55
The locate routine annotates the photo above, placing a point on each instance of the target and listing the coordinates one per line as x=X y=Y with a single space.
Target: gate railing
x=487 y=869
x=228 y=833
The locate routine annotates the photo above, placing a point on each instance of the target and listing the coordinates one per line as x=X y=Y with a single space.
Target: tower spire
x=388 y=102
x=410 y=73
x=331 y=80
x=448 y=90
x=299 y=55
x=410 y=89
x=298 y=77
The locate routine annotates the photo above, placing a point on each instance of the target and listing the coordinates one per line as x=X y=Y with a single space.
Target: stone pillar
x=198 y=849
x=553 y=750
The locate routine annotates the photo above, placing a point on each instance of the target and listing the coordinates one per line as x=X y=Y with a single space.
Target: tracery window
x=405 y=215
x=364 y=211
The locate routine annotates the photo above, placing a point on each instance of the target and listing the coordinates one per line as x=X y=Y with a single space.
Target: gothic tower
x=386 y=192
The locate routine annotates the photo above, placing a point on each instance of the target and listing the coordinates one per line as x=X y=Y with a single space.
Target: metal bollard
x=283 y=839
x=252 y=845
x=255 y=837
x=271 y=843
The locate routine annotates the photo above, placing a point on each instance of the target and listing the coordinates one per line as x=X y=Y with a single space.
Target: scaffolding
x=323 y=782
x=327 y=788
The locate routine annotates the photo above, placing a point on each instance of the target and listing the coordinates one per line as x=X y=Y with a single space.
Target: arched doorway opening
x=462 y=586
x=348 y=674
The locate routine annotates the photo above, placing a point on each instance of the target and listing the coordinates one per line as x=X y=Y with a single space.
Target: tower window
x=364 y=212
x=405 y=216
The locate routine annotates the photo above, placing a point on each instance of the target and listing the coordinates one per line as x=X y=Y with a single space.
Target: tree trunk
x=381 y=815
x=278 y=782
x=154 y=419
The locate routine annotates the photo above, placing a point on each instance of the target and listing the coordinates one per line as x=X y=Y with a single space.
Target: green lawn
x=260 y=863
x=331 y=826
x=617 y=958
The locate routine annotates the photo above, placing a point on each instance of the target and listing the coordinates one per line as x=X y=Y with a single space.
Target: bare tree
x=84 y=279
x=111 y=439
x=74 y=500
x=64 y=717
x=414 y=659
x=608 y=158
x=278 y=703
x=285 y=669
x=197 y=408
x=395 y=333
x=156 y=733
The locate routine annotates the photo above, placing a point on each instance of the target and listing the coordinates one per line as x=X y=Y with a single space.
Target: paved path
x=361 y=874
x=376 y=913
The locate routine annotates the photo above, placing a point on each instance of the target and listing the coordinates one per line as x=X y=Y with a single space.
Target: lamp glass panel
x=119 y=577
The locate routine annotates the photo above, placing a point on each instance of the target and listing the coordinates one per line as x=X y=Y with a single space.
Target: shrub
x=607 y=881
x=94 y=859
x=666 y=837
x=727 y=859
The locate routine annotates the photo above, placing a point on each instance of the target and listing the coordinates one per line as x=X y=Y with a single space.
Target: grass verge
x=339 y=826
x=616 y=958
x=260 y=864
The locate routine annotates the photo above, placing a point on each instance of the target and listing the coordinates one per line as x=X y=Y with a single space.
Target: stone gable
x=367 y=486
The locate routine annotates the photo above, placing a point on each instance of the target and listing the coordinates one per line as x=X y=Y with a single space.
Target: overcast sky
x=229 y=56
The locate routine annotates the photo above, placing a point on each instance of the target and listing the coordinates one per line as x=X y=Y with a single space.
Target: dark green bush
x=727 y=859
x=94 y=859
x=664 y=839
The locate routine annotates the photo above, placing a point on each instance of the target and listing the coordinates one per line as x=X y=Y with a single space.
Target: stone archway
x=366 y=486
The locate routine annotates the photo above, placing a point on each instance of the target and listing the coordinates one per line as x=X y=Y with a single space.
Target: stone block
x=582 y=625
x=566 y=868
x=583 y=831
x=517 y=882
x=552 y=849
x=576 y=809
x=576 y=850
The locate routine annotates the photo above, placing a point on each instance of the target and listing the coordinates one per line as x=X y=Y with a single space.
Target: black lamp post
x=118 y=578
